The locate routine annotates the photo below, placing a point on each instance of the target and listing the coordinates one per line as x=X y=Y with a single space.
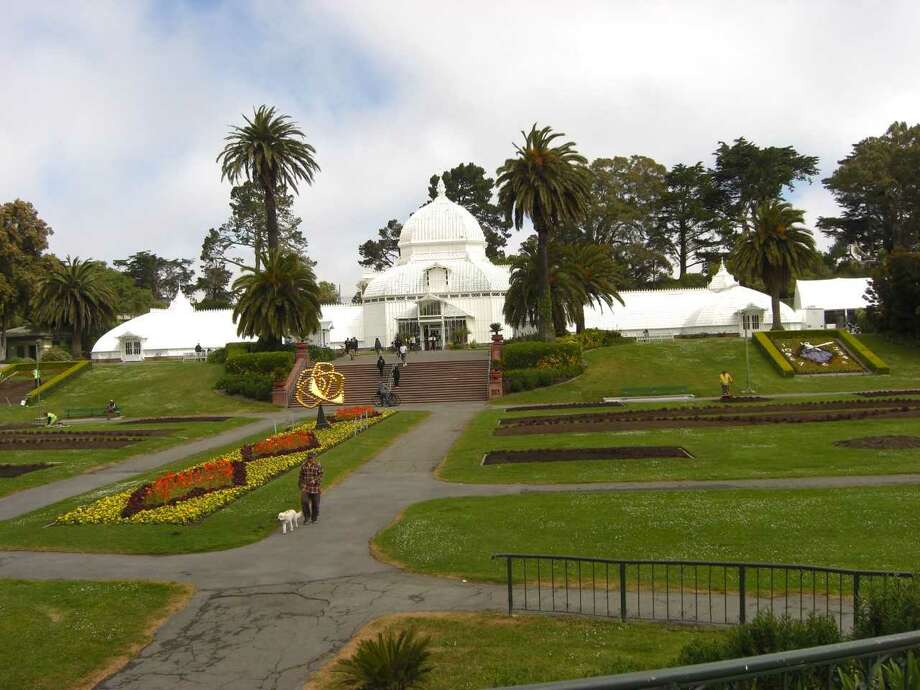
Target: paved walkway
x=268 y=614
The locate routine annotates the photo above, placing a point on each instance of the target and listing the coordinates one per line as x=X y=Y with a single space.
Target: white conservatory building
x=444 y=289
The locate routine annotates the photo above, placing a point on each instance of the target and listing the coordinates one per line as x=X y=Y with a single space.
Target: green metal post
x=623 y=591
x=742 y=594
x=510 y=589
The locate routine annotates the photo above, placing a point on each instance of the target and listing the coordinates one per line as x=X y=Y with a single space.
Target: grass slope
x=872 y=528
x=742 y=452
x=142 y=389
x=247 y=520
x=696 y=363
x=61 y=634
x=77 y=461
x=485 y=650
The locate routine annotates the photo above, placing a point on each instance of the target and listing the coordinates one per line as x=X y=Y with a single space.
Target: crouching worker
x=311 y=475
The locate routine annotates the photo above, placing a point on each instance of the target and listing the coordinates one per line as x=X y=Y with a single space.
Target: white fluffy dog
x=289 y=520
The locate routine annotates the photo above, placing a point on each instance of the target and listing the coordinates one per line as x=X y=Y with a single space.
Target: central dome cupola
x=441 y=229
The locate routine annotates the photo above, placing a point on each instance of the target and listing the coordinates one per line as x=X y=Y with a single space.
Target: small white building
x=832 y=302
x=722 y=307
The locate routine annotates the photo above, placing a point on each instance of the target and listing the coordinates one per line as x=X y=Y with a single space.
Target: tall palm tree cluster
x=280 y=295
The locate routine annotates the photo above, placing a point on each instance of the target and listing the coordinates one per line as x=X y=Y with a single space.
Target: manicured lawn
x=142 y=389
x=485 y=650
x=871 y=528
x=740 y=452
x=696 y=363
x=244 y=521
x=70 y=462
x=62 y=634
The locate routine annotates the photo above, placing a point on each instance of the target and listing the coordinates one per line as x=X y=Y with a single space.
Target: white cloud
x=119 y=110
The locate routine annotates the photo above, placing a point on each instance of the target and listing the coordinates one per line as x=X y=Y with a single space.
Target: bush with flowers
x=280 y=444
x=193 y=506
x=344 y=414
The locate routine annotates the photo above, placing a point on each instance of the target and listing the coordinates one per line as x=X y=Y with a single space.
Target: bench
x=80 y=412
x=648 y=391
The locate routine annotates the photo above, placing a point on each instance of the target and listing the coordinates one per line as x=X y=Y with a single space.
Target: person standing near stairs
x=380 y=365
x=377 y=346
x=396 y=375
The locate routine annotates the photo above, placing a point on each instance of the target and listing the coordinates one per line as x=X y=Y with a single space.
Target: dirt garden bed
x=881 y=442
x=659 y=413
x=562 y=406
x=888 y=394
x=10 y=471
x=74 y=440
x=703 y=417
x=504 y=457
x=743 y=399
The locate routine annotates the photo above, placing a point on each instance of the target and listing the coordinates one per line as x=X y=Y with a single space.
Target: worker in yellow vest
x=726 y=380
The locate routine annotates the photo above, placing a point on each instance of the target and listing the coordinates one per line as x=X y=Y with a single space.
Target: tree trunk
x=683 y=253
x=257 y=248
x=580 y=320
x=777 y=316
x=271 y=215
x=76 y=343
x=545 y=310
x=3 y=339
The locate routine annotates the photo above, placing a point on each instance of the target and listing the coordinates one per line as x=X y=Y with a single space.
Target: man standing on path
x=311 y=474
x=403 y=351
x=726 y=381
x=377 y=346
x=36 y=376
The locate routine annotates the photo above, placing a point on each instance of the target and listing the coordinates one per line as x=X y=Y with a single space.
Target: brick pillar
x=495 y=371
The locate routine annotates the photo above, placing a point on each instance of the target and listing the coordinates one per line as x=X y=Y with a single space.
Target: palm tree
x=578 y=275
x=72 y=295
x=389 y=662
x=281 y=298
x=550 y=185
x=597 y=274
x=775 y=250
x=270 y=151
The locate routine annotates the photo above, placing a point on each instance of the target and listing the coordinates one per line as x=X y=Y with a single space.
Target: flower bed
x=344 y=414
x=174 y=487
x=280 y=444
x=841 y=360
x=190 y=508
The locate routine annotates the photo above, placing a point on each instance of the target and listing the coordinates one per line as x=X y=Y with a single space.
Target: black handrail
x=720 y=564
x=723 y=592
x=826 y=657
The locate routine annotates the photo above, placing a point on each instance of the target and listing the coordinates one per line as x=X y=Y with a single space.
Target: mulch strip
x=744 y=399
x=9 y=471
x=689 y=419
x=561 y=406
x=166 y=420
x=888 y=394
x=74 y=440
x=881 y=442
x=504 y=457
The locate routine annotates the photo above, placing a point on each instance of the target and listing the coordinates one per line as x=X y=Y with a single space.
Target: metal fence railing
x=709 y=592
x=829 y=666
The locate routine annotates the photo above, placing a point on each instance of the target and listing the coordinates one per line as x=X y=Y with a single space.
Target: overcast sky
x=112 y=113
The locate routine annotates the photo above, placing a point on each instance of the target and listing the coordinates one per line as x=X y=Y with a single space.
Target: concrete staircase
x=422 y=381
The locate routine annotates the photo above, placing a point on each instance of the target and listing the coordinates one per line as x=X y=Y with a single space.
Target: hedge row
x=259 y=362
x=65 y=373
x=252 y=385
x=866 y=356
x=591 y=338
x=528 y=354
x=783 y=367
x=516 y=380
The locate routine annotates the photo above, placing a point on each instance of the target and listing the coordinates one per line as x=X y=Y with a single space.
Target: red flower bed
x=344 y=414
x=282 y=444
x=173 y=487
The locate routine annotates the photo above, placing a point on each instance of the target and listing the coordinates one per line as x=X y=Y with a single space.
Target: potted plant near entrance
x=496 y=329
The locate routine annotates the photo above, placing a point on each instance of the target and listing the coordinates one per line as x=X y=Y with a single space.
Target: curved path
x=266 y=615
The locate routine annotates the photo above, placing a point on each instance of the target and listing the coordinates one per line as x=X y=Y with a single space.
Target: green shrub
x=217 y=356
x=529 y=354
x=234 y=349
x=321 y=354
x=516 y=380
x=20 y=360
x=888 y=607
x=765 y=634
x=251 y=385
x=871 y=360
x=55 y=354
x=772 y=353
x=388 y=662
x=260 y=362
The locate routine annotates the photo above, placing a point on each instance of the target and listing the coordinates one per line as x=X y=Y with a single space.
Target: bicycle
x=390 y=400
